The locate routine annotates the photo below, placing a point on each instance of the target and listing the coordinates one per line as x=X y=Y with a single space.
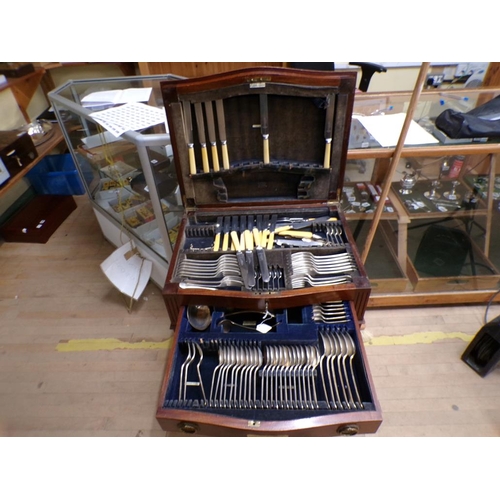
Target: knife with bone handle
x=235 y=226
x=241 y=259
x=225 y=237
x=211 y=135
x=261 y=256
x=330 y=108
x=287 y=224
x=303 y=243
x=218 y=229
x=249 y=256
x=188 y=123
x=297 y=234
x=264 y=127
x=272 y=227
x=201 y=134
x=219 y=105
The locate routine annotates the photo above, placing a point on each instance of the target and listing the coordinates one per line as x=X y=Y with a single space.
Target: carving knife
x=241 y=258
x=189 y=133
x=211 y=134
x=261 y=254
x=329 y=129
x=201 y=134
x=264 y=126
x=222 y=132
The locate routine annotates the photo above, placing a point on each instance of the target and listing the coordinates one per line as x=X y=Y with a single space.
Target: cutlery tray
x=299 y=376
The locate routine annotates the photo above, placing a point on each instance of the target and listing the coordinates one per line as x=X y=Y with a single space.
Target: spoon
x=199 y=316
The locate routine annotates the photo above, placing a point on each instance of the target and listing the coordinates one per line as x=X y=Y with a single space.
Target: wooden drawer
x=232 y=381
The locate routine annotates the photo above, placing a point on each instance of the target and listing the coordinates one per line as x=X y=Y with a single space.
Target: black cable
x=488 y=306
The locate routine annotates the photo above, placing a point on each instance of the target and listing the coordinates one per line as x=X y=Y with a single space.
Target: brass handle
x=187 y=428
x=348 y=430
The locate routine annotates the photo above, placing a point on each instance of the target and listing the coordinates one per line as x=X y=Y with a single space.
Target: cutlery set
x=287 y=376
x=265 y=289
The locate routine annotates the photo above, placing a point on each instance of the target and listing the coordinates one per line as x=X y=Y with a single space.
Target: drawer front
x=297 y=371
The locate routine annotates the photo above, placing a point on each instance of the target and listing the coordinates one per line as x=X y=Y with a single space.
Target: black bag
x=474 y=124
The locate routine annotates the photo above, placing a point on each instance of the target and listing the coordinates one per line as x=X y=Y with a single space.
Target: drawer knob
x=348 y=430
x=187 y=427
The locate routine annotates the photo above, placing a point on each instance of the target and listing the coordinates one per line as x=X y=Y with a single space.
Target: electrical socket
x=435 y=80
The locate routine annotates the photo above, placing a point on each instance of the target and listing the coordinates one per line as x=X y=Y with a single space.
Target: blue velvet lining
x=295 y=327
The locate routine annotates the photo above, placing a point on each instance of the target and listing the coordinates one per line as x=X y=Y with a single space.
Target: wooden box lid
x=260 y=136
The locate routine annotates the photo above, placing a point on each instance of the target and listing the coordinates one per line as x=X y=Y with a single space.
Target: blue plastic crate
x=56 y=174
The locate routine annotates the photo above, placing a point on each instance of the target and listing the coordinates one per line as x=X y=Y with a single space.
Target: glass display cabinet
x=125 y=161
x=436 y=241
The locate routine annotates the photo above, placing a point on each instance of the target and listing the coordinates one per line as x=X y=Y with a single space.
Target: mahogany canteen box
x=17 y=150
x=262 y=152
x=265 y=289
x=38 y=220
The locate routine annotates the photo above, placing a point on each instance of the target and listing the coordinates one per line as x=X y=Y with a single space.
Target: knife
x=298 y=234
x=218 y=229
x=249 y=257
x=189 y=133
x=211 y=134
x=222 y=132
x=265 y=231
x=264 y=126
x=201 y=134
x=225 y=240
x=261 y=255
x=241 y=258
x=234 y=227
x=329 y=129
x=283 y=242
x=272 y=227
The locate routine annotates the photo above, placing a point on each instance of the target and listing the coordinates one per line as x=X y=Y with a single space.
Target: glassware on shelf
x=433 y=195
x=408 y=182
x=452 y=195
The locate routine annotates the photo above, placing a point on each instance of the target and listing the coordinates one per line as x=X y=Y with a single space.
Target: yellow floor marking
x=80 y=345
x=416 y=338
x=109 y=345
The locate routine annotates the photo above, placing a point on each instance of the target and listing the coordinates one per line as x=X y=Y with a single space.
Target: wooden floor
x=55 y=293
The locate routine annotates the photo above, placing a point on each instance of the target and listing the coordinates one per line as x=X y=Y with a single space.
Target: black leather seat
x=367 y=70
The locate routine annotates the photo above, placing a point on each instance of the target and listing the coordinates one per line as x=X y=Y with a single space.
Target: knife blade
x=219 y=104
x=249 y=257
x=201 y=135
x=188 y=121
x=329 y=130
x=209 y=110
x=264 y=126
x=261 y=256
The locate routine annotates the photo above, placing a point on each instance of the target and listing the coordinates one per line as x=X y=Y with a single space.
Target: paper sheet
x=386 y=130
x=116 y=97
x=131 y=116
x=129 y=275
